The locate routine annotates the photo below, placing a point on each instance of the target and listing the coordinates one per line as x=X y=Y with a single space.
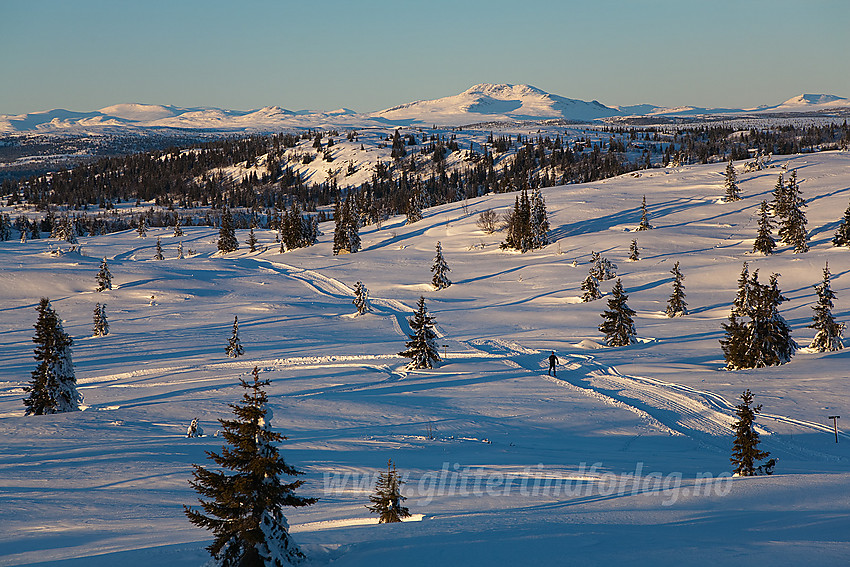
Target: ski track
x=674 y=408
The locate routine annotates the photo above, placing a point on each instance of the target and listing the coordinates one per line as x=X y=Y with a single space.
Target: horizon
x=371 y=56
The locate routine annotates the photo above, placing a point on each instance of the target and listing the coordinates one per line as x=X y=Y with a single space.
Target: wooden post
x=835 y=419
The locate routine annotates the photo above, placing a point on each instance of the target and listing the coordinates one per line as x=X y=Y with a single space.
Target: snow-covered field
x=605 y=464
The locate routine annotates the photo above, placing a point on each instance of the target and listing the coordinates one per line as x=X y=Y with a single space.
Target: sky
x=368 y=55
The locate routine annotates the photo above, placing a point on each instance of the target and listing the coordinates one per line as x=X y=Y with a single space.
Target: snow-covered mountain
x=488 y=102
x=481 y=103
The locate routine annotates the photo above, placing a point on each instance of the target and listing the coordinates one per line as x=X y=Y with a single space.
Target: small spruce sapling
x=745 y=450
x=842 y=234
x=234 y=347
x=644 y=217
x=386 y=502
x=158 y=255
x=676 y=305
x=764 y=238
x=361 y=298
x=100 y=326
x=733 y=192
x=590 y=287
x=634 y=252
x=252 y=240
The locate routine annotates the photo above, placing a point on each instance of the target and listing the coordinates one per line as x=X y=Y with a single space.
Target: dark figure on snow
x=553 y=361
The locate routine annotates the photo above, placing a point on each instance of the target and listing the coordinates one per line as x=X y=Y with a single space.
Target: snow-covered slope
x=503 y=102
x=624 y=433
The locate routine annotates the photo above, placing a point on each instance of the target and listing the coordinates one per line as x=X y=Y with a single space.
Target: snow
x=480 y=103
x=599 y=465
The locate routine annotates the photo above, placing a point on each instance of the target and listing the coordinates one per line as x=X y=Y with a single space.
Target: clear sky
x=372 y=54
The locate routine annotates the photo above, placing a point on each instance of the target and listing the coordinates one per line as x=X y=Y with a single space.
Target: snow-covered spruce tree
x=733 y=193
x=352 y=215
x=227 y=233
x=842 y=234
x=440 y=280
x=178 y=230
x=340 y=228
x=601 y=268
x=644 y=217
x=518 y=225
x=386 y=502
x=244 y=501
x=780 y=198
x=634 y=252
x=100 y=326
x=180 y=250
x=415 y=206
x=539 y=220
x=421 y=348
x=252 y=239
x=234 y=347
x=764 y=242
x=104 y=277
x=757 y=335
x=792 y=230
x=158 y=255
x=361 y=298
x=141 y=229
x=676 y=305
x=828 y=332
x=618 y=325
x=745 y=451
x=53 y=388
x=590 y=287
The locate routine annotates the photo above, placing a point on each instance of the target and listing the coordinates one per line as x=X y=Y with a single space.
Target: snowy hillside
x=507 y=465
x=480 y=103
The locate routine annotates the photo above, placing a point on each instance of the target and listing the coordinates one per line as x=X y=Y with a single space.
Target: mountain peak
x=504 y=90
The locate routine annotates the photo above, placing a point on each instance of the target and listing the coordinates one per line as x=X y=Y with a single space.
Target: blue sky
x=369 y=55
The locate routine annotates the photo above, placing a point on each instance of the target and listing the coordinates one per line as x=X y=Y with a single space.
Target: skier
x=553 y=360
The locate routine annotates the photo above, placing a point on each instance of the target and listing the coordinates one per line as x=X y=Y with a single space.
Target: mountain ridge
x=483 y=102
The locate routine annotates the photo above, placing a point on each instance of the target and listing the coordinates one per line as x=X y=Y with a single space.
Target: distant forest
x=185 y=177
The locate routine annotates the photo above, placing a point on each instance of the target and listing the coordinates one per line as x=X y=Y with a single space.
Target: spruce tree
x=757 y=335
x=828 y=332
x=518 y=229
x=234 y=347
x=539 y=220
x=227 y=233
x=842 y=234
x=676 y=305
x=180 y=250
x=601 y=268
x=440 y=280
x=590 y=287
x=104 y=277
x=745 y=450
x=764 y=242
x=421 y=348
x=53 y=388
x=142 y=230
x=178 y=230
x=386 y=502
x=361 y=298
x=252 y=240
x=733 y=193
x=618 y=325
x=415 y=205
x=792 y=230
x=341 y=224
x=244 y=500
x=634 y=252
x=644 y=217
x=352 y=216
x=100 y=326
x=158 y=255
x=780 y=198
